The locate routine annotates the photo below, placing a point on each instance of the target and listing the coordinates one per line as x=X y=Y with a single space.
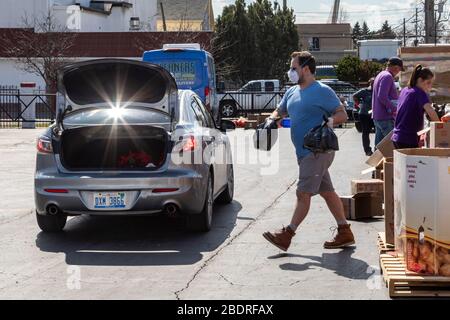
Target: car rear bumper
x=188 y=197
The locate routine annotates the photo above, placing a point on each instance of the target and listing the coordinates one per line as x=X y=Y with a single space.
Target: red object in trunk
x=134 y=159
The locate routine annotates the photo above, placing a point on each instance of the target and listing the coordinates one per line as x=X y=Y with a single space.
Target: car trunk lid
x=115 y=83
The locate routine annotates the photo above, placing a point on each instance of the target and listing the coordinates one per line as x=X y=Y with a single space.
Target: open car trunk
x=115 y=148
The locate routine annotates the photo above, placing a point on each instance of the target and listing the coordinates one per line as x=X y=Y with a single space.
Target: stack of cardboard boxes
x=368 y=196
x=366 y=201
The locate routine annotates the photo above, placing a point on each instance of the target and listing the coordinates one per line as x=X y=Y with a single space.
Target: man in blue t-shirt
x=306 y=104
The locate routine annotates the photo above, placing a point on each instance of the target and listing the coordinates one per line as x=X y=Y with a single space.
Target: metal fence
x=237 y=103
x=14 y=107
x=233 y=103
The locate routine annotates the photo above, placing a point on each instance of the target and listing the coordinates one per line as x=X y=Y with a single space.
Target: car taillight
x=189 y=144
x=165 y=190
x=56 y=190
x=208 y=98
x=44 y=145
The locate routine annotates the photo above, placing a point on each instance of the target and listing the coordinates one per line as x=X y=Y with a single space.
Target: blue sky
x=373 y=11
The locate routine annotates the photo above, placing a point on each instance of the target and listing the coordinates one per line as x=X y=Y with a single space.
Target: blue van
x=192 y=68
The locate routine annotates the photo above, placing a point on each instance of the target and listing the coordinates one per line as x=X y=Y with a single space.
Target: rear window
x=114 y=82
x=187 y=73
x=326 y=72
x=108 y=116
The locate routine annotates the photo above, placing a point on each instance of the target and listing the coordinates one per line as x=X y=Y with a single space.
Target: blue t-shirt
x=306 y=108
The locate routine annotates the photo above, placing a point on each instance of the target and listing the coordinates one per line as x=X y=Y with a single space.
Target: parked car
x=326 y=72
x=255 y=95
x=345 y=92
x=115 y=148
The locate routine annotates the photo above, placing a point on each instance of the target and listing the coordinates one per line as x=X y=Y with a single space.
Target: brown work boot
x=343 y=238
x=280 y=238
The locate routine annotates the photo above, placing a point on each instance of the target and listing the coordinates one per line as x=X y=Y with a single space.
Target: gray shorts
x=314 y=176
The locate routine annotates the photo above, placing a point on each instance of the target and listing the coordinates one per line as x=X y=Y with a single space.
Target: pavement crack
x=237 y=235
x=295 y=282
x=224 y=278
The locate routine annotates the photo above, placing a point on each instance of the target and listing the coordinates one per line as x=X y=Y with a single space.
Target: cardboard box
x=389 y=200
x=379 y=174
x=363 y=205
x=385 y=149
x=386 y=146
x=367 y=186
x=436 y=57
x=422 y=209
x=440 y=135
x=251 y=124
x=349 y=206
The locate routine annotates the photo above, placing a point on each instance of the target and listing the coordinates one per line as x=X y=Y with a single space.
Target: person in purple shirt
x=412 y=104
x=383 y=99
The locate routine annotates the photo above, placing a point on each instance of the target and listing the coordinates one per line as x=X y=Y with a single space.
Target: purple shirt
x=410 y=115
x=384 y=91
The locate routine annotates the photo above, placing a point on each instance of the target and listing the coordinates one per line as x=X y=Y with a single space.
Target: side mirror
x=226 y=125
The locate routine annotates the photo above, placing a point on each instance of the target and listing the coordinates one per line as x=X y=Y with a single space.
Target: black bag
x=266 y=135
x=321 y=139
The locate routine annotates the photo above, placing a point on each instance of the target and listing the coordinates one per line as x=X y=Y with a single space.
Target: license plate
x=110 y=200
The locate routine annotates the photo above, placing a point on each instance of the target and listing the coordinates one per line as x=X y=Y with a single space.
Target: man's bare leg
x=282 y=238
x=335 y=205
x=301 y=209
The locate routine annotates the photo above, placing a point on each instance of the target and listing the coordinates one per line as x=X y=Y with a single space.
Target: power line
x=351 y=12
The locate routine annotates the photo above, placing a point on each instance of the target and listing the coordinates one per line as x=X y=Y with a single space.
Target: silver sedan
x=127 y=142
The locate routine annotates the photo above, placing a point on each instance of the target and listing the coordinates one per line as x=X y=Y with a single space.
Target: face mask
x=293 y=76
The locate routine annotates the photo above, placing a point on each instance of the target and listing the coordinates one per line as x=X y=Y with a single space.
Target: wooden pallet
x=383 y=247
x=403 y=283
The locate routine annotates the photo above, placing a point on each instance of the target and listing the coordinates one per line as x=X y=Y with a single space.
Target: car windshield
x=108 y=116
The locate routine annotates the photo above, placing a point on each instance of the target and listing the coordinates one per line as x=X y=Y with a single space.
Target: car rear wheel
x=48 y=223
x=202 y=221
x=227 y=195
x=228 y=109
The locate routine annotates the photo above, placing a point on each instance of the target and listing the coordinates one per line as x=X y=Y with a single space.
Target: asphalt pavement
x=154 y=258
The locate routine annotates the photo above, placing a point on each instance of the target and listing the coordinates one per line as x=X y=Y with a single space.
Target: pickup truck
x=255 y=96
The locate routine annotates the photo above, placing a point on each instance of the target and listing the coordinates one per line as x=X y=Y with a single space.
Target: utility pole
x=163 y=17
x=284 y=5
x=429 y=21
x=404 y=32
x=416 y=42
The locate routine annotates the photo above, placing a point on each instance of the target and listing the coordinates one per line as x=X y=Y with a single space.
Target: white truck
x=255 y=96
x=378 y=50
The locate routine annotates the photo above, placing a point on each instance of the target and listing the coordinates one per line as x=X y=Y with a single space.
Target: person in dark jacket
x=414 y=101
x=363 y=98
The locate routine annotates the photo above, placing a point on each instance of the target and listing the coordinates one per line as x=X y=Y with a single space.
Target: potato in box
x=422 y=209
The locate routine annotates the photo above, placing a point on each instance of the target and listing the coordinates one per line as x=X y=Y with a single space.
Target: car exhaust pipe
x=171 y=209
x=53 y=210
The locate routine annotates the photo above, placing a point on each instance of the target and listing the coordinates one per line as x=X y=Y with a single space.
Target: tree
x=352 y=69
x=369 y=69
x=235 y=37
x=40 y=47
x=356 y=33
x=386 y=32
x=257 y=39
x=365 y=32
x=348 y=68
